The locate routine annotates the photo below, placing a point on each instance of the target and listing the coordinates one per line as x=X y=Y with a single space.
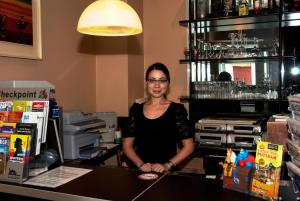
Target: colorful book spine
x=7 y=127
x=20 y=105
x=14 y=117
x=4 y=151
x=4 y=116
x=6 y=105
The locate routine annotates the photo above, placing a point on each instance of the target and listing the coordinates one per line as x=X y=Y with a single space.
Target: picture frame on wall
x=20 y=29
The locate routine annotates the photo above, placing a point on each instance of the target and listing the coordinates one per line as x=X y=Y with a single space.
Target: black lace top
x=156 y=139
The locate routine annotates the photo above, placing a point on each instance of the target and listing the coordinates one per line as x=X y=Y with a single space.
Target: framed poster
x=20 y=29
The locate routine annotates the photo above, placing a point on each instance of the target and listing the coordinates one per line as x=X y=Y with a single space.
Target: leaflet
x=57 y=176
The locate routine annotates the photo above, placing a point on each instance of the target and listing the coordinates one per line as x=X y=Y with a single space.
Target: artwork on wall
x=20 y=29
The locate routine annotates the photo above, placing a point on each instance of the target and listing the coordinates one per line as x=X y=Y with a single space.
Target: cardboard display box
x=239 y=181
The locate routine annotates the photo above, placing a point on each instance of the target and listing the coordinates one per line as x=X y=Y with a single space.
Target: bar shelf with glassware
x=259 y=50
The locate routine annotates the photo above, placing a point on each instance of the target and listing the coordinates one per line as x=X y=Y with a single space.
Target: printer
x=81 y=132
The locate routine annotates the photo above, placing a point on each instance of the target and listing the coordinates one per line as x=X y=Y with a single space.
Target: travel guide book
x=19 y=147
x=266 y=177
x=29 y=129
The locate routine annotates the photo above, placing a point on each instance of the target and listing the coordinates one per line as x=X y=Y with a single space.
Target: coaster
x=148 y=176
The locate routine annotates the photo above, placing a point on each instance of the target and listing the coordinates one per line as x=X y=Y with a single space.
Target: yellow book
x=19 y=147
x=266 y=177
x=21 y=106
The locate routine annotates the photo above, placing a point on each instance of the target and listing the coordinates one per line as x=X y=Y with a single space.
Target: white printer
x=81 y=131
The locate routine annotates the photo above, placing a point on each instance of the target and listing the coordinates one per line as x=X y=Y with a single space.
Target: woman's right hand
x=146 y=167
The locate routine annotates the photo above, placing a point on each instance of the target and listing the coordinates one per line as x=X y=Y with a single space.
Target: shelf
x=233 y=60
x=224 y=147
x=246 y=22
x=238 y=60
x=234 y=20
x=209 y=52
x=291 y=19
x=187 y=98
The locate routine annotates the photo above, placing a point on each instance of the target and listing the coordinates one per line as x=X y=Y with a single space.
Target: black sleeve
x=182 y=123
x=132 y=118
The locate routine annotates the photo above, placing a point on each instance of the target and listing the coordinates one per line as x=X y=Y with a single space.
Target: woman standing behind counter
x=157 y=126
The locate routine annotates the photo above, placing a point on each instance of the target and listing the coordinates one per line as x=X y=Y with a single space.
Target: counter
x=119 y=184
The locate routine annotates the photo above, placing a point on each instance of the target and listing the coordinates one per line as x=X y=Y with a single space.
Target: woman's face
x=157 y=84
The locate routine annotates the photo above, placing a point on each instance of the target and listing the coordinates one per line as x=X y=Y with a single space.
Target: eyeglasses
x=159 y=81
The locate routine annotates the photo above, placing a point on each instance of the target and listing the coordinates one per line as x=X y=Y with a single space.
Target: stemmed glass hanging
x=232 y=49
x=243 y=44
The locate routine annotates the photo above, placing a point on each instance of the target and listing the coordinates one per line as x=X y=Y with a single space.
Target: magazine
x=29 y=129
x=6 y=105
x=37 y=118
x=19 y=147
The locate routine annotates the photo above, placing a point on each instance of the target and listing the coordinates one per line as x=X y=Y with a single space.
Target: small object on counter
x=237 y=176
x=148 y=176
x=244 y=159
x=118 y=137
x=228 y=165
x=266 y=177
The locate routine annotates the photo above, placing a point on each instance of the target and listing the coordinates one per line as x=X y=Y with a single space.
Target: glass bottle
x=243 y=8
x=257 y=9
x=264 y=6
x=229 y=8
x=270 y=6
x=192 y=9
x=273 y=6
x=216 y=8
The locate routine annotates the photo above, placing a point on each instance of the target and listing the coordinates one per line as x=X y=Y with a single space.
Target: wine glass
x=232 y=49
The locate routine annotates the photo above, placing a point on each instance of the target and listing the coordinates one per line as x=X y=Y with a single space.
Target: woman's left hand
x=157 y=167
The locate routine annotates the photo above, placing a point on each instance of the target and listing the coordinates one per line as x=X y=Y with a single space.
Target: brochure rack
x=24 y=110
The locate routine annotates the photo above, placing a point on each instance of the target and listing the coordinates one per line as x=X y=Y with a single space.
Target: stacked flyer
x=293 y=142
x=23 y=128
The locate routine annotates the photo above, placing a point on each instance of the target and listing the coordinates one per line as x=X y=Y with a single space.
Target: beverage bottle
x=270 y=6
x=229 y=8
x=243 y=8
x=257 y=7
x=216 y=8
x=273 y=6
x=264 y=6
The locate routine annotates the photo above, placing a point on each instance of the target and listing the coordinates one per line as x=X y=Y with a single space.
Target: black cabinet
x=241 y=63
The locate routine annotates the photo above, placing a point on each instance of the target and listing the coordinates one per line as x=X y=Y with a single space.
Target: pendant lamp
x=109 y=18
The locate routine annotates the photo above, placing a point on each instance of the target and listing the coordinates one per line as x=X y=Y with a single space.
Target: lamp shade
x=109 y=18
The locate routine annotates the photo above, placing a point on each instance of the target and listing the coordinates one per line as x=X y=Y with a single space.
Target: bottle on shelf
x=202 y=8
x=292 y=5
x=243 y=7
x=273 y=6
x=192 y=10
x=264 y=6
x=216 y=8
x=229 y=8
x=257 y=7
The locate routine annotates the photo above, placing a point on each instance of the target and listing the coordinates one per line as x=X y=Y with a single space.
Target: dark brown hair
x=158 y=66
